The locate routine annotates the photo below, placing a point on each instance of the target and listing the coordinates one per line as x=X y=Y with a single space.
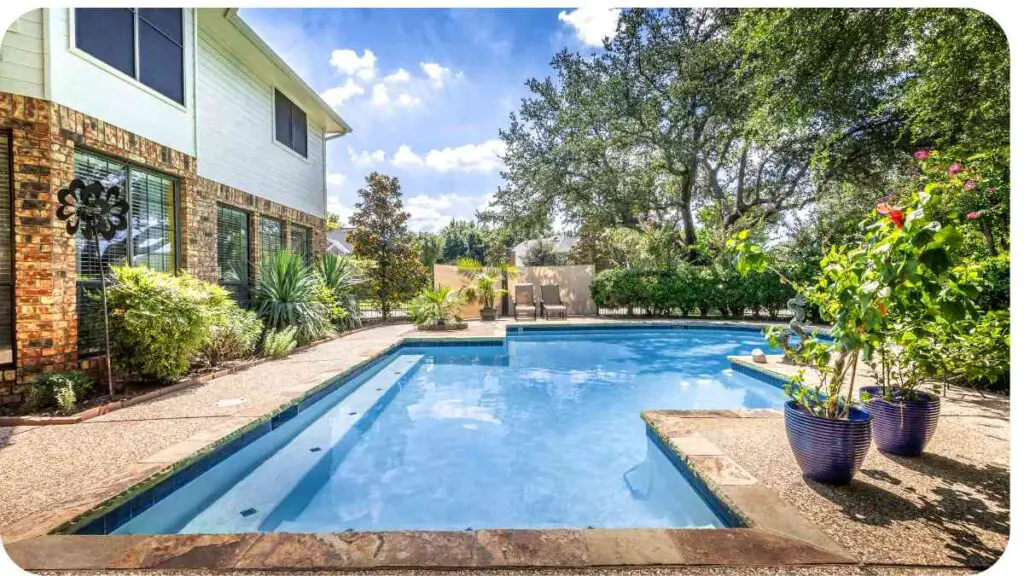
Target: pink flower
x=955 y=169
x=921 y=154
x=970 y=184
x=973 y=215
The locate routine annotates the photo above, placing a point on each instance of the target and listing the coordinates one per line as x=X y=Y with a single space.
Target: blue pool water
x=541 y=431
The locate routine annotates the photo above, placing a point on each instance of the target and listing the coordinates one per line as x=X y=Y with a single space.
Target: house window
x=150 y=239
x=117 y=35
x=289 y=123
x=300 y=242
x=271 y=237
x=233 y=252
x=6 y=255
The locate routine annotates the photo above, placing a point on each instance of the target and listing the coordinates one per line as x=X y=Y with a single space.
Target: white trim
x=135 y=82
x=273 y=125
x=47 y=57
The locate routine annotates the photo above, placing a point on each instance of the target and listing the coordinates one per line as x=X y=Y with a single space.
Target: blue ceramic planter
x=902 y=427
x=828 y=451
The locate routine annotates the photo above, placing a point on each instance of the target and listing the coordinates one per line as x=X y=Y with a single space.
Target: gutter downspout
x=195 y=86
x=327 y=138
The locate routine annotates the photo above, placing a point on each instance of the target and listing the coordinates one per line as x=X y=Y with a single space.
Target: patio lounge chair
x=524 y=303
x=551 y=301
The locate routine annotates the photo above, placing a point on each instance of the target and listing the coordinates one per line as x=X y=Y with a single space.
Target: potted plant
x=483 y=290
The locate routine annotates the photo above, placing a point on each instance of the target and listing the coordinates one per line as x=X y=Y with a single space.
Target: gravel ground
x=43 y=465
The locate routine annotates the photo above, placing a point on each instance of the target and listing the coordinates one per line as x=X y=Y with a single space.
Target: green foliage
x=382 y=236
x=159 y=322
x=287 y=295
x=279 y=343
x=542 y=253
x=435 y=306
x=462 y=239
x=62 y=390
x=341 y=277
x=995 y=292
x=683 y=290
x=234 y=333
x=430 y=247
x=332 y=222
x=483 y=289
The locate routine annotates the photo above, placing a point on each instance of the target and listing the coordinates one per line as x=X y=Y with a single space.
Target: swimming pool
x=539 y=430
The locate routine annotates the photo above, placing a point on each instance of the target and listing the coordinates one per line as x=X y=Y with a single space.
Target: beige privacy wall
x=573 y=282
x=449 y=276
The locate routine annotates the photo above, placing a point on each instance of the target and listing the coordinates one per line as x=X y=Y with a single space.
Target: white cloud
x=405 y=157
x=336 y=96
x=409 y=100
x=380 y=95
x=431 y=213
x=436 y=73
x=483 y=157
x=365 y=157
x=352 y=64
x=399 y=75
x=335 y=179
x=335 y=206
x=592 y=25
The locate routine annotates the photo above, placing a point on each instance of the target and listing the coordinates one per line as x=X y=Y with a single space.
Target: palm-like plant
x=287 y=296
x=341 y=276
x=435 y=307
x=484 y=279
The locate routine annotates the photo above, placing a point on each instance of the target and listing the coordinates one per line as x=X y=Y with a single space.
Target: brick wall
x=44 y=136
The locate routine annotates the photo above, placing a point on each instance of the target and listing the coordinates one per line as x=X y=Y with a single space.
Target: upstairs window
x=289 y=123
x=116 y=35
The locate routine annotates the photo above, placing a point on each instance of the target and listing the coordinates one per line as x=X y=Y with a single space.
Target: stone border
x=465 y=549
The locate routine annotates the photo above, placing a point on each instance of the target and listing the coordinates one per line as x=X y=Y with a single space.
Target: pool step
x=250 y=500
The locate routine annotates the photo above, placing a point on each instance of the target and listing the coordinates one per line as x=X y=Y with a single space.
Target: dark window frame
x=129 y=167
x=14 y=272
x=137 y=60
x=250 y=272
x=283 y=236
x=307 y=248
x=289 y=140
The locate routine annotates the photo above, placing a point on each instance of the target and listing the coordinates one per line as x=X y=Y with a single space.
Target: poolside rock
x=758 y=356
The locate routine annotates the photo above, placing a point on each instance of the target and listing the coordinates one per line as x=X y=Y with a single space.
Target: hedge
x=686 y=289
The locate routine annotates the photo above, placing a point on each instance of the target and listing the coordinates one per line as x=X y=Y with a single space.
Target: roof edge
x=231 y=14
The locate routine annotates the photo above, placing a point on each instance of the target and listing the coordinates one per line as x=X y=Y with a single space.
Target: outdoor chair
x=551 y=302
x=524 y=303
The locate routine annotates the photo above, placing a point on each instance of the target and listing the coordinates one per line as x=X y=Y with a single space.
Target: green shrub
x=160 y=322
x=684 y=289
x=233 y=334
x=287 y=297
x=61 y=389
x=279 y=343
x=435 y=307
x=995 y=291
x=342 y=277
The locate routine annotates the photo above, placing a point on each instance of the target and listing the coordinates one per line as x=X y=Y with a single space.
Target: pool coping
x=34 y=542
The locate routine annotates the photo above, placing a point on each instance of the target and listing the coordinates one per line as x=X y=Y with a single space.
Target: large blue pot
x=828 y=451
x=902 y=427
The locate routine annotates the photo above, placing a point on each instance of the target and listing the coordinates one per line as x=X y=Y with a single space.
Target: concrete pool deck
x=946 y=509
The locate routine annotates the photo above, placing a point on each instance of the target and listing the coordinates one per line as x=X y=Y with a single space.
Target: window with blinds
x=300 y=242
x=150 y=239
x=289 y=124
x=6 y=254
x=271 y=236
x=233 y=252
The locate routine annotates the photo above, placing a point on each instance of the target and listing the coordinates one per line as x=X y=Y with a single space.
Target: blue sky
x=425 y=91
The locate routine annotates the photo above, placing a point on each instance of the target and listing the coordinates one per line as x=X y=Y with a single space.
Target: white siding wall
x=85 y=84
x=236 y=135
x=22 y=68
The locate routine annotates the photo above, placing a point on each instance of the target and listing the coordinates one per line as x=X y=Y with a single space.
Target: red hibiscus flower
x=955 y=169
x=973 y=215
x=897 y=216
x=921 y=154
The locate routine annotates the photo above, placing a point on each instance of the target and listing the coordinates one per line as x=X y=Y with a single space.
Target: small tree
x=381 y=235
x=542 y=253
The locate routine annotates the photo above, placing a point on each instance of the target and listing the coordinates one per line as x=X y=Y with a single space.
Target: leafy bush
x=682 y=290
x=61 y=389
x=159 y=322
x=995 y=291
x=287 y=296
x=341 y=277
x=435 y=307
x=233 y=334
x=279 y=343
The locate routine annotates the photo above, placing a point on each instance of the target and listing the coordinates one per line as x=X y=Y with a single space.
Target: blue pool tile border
x=729 y=518
x=523 y=329
x=777 y=381
x=184 y=472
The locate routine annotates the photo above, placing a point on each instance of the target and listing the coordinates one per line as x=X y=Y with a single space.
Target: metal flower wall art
x=97 y=212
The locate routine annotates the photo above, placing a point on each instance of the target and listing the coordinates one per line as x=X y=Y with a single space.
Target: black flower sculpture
x=99 y=213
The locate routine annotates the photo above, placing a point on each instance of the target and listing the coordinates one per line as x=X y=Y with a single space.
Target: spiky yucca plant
x=341 y=275
x=287 y=296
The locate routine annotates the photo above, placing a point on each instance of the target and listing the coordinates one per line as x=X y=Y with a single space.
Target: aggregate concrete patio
x=944 y=511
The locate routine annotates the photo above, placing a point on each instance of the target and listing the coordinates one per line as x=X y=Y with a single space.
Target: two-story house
x=220 y=145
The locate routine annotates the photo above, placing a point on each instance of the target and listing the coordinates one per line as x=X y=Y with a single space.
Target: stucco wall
x=449 y=276
x=573 y=282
